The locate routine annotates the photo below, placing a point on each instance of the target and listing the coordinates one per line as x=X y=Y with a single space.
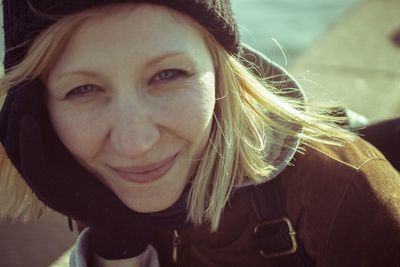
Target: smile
x=145 y=174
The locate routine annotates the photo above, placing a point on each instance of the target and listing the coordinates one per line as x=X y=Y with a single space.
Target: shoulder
x=354 y=154
x=339 y=166
x=323 y=174
x=341 y=198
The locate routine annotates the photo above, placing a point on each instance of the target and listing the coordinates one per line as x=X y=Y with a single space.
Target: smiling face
x=132 y=97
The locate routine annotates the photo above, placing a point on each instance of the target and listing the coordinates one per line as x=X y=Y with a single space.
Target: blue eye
x=82 y=90
x=169 y=75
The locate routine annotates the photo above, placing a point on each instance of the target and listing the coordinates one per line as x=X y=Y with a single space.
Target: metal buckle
x=292 y=235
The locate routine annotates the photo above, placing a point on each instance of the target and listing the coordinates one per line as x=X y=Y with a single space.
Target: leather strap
x=275 y=237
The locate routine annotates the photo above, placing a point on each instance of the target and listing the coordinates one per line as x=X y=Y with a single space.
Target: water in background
x=294 y=24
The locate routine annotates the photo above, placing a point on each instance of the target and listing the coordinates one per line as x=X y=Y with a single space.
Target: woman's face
x=132 y=97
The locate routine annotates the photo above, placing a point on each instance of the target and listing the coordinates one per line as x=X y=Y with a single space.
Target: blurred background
x=343 y=51
x=346 y=51
x=289 y=26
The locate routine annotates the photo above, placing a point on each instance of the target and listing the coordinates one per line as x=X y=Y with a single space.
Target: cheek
x=191 y=113
x=77 y=130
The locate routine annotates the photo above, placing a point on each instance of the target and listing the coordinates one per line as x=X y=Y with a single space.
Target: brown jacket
x=344 y=203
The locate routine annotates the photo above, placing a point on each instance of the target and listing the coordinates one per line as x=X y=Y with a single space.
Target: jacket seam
x=338 y=208
x=356 y=168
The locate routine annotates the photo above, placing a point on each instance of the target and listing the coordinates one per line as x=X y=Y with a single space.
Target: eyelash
x=82 y=90
x=173 y=74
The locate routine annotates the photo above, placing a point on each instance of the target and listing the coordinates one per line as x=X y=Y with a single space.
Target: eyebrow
x=159 y=59
x=82 y=72
x=149 y=63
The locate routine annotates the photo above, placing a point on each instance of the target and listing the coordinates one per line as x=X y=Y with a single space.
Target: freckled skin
x=131 y=115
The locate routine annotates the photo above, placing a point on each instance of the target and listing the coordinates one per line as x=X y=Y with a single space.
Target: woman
x=140 y=120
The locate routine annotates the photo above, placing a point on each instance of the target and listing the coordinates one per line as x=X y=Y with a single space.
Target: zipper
x=176 y=241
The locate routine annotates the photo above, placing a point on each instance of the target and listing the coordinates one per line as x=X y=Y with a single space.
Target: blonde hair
x=248 y=111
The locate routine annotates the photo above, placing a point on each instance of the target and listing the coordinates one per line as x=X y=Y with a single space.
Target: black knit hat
x=25 y=19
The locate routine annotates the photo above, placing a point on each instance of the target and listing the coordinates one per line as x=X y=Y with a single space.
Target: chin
x=149 y=200
x=148 y=206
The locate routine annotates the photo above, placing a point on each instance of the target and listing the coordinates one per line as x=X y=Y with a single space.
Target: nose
x=133 y=131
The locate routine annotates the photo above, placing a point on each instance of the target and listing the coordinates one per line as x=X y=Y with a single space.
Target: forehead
x=137 y=17
x=141 y=31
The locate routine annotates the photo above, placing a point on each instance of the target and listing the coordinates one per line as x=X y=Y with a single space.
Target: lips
x=145 y=174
